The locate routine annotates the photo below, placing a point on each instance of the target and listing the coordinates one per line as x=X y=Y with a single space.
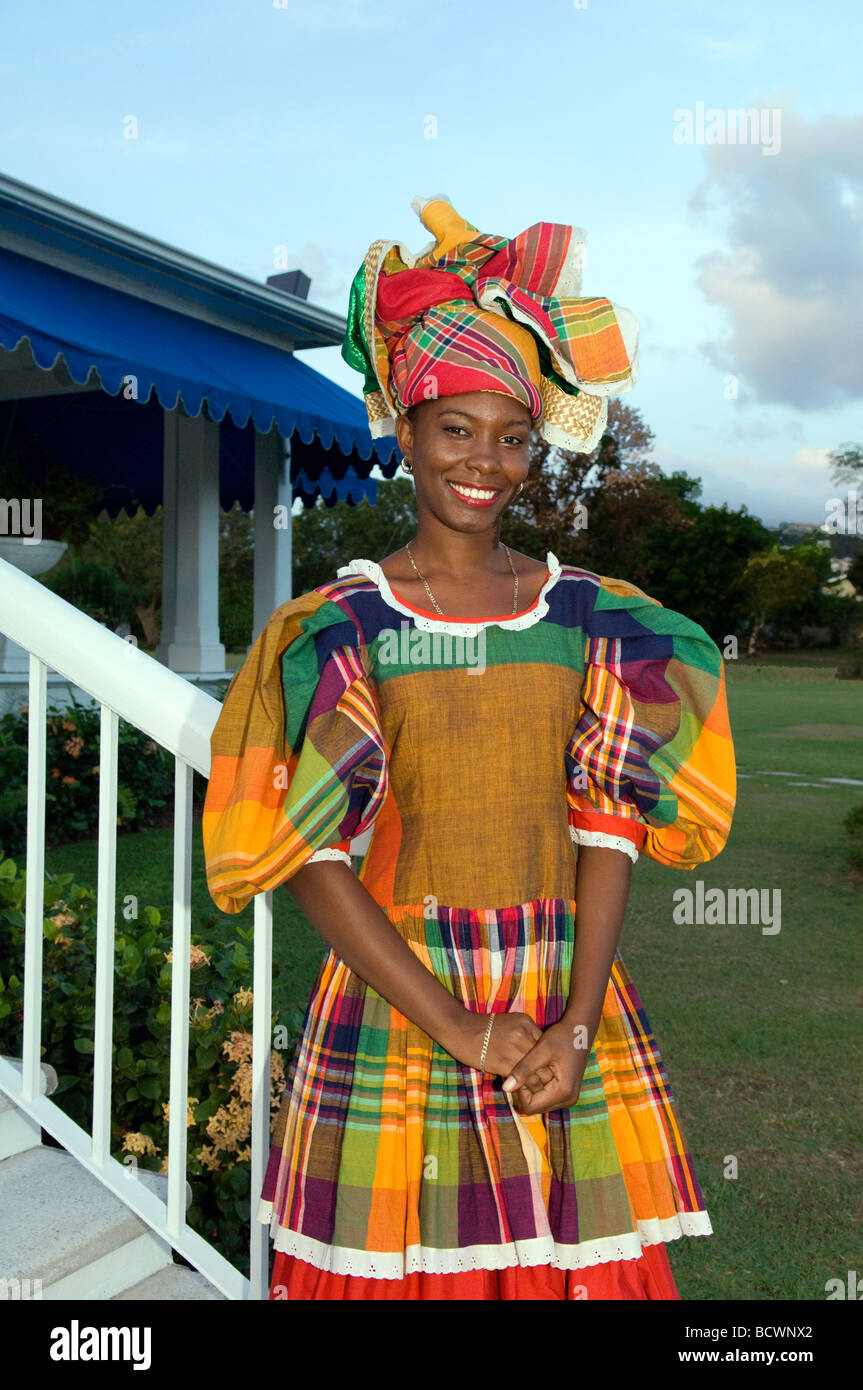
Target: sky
x=268 y=132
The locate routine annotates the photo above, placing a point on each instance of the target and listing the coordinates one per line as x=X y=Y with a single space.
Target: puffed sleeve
x=650 y=766
x=298 y=761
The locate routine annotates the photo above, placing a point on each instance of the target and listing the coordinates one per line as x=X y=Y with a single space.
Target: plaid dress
x=480 y=754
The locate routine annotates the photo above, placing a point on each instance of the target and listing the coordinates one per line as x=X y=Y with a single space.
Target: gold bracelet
x=485 y=1043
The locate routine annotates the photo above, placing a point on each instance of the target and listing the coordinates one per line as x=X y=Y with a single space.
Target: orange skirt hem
x=648 y=1277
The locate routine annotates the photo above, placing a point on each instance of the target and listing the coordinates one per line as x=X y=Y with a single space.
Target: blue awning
x=142 y=351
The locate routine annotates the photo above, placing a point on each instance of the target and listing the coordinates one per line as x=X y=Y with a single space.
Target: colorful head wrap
x=476 y=312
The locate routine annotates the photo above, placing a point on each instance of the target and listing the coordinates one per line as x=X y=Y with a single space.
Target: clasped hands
x=543 y=1068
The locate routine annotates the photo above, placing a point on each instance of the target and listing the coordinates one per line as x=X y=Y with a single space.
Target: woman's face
x=469 y=454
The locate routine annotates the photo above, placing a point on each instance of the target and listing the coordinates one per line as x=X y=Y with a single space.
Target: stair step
x=72 y=1233
x=73 y=1237
x=17 y=1131
x=173 y=1282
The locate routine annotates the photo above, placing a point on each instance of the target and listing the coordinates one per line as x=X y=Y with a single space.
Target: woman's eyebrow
x=466 y=413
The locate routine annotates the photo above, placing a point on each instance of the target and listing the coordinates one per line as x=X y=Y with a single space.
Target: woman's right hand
x=512 y=1036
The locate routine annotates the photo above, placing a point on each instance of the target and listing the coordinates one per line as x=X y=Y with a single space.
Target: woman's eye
x=513 y=438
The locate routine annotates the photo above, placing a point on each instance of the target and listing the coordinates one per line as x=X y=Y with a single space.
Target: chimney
x=294 y=282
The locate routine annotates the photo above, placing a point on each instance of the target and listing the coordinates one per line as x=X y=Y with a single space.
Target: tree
x=128 y=550
x=785 y=587
x=846 y=464
x=324 y=538
x=236 y=577
x=562 y=487
x=700 y=568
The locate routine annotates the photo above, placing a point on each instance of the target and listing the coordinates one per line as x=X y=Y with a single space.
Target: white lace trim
x=599 y=837
x=543 y=1250
x=373 y=571
x=330 y=854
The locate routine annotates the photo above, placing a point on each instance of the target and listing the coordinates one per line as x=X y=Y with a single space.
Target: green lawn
x=758 y=1032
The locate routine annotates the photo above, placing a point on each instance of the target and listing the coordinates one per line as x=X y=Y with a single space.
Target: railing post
x=262 y=1013
x=178 y=1092
x=106 y=886
x=34 y=910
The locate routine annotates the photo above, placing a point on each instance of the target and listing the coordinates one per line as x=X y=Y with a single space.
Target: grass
x=759 y=1033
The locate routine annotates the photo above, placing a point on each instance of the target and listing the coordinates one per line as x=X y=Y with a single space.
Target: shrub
x=145 y=777
x=850 y=666
x=854 y=827
x=219 y=1110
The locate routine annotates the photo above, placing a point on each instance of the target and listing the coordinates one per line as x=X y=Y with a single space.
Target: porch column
x=190 y=545
x=273 y=503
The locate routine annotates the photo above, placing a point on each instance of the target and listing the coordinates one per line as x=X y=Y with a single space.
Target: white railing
x=131 y=685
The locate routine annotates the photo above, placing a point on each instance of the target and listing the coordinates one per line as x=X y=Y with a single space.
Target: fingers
x=538 y=1080
x=531 y=1072
x=513 y=1038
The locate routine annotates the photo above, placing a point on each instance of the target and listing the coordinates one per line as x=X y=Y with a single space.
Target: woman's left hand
x=549 y=1076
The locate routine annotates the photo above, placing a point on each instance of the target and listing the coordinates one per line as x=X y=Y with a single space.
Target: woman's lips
x=475 y=496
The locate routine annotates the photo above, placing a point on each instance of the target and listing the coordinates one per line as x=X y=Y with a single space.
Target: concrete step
x=17 y=1131
x=173 y=1282
x=65 y=1235
x=65 y=1230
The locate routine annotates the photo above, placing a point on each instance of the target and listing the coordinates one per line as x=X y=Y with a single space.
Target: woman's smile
x=473 y=495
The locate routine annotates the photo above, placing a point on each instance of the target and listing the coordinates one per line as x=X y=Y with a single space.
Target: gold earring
x=518 y=489
x=406 y=467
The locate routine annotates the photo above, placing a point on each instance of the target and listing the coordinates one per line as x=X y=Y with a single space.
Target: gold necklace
x=434 y=600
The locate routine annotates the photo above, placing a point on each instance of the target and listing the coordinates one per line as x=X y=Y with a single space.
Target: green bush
x=854 y=827
x=145 y=776
x=94 y=588
x=219 y=1111
x=850 y=665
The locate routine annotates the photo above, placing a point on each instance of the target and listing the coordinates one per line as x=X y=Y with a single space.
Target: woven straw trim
x=376 y=406
x=374 y=260
x=576 y=415
x=374 y=256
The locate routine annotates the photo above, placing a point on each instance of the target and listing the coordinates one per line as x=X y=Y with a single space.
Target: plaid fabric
x=389 y=1156
x=477 y=312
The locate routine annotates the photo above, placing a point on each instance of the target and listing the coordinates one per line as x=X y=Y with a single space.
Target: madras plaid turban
x=477 y=312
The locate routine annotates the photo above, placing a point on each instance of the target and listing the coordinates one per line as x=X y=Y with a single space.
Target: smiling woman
x=477 y=1107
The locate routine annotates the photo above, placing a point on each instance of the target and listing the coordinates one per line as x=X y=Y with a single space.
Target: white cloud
x=790 y=279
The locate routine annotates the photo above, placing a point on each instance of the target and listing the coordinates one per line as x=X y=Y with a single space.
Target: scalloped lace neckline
x=465 y=627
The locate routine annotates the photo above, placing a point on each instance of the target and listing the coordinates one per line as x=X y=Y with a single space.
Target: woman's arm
x=601 y=894
x=345 y=914
x=549 y=1076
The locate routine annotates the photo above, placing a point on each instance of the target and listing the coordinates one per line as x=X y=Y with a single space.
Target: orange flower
x=197 y=956
x=55 y=772
x=67 y=724
x=237 y=1047
x=63 y=919
x=74 y=746
x=139 y=1144
x=73 y=782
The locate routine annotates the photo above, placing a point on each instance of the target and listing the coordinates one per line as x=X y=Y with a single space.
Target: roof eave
x=50 y=229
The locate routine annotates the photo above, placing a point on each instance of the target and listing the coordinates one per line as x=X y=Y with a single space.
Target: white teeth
x=483 y=494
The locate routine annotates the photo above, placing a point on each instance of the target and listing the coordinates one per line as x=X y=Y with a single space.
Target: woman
x=477 y=1108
